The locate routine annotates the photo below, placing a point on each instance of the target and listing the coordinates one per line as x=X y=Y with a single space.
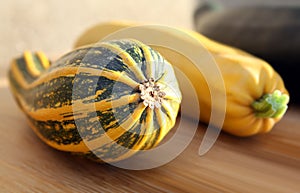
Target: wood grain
x=264 y=163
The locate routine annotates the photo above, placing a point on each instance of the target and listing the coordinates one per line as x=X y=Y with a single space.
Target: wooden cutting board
x=264 y=163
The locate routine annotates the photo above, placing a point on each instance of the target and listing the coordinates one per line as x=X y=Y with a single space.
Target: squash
x=256 y=97
x=268 y=32
x=105 y=101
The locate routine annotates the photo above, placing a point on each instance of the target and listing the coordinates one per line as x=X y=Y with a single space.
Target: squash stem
x=271 y=105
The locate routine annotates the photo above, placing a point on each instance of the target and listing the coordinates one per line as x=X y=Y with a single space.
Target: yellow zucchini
x=256 y=97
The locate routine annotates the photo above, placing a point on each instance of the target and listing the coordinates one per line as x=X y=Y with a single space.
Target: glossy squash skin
x=114 y=78
x=256 y=97
x=268 y=32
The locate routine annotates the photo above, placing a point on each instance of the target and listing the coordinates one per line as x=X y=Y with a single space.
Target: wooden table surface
x=265 y=163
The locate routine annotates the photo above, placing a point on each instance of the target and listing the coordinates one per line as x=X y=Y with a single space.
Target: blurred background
x=53 y=25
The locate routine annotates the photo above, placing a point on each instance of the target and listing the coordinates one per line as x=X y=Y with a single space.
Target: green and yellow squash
x=101 y=101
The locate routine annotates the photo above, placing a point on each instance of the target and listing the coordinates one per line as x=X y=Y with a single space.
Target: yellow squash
x=256 y=97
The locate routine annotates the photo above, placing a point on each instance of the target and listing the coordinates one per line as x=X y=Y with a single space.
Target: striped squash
x=103 y=101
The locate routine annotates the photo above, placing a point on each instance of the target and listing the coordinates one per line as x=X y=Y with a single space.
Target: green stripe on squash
x=104 y=75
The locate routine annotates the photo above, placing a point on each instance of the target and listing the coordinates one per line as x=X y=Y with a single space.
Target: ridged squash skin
x=57 y=98
x=254 y=29
x=247 y=79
